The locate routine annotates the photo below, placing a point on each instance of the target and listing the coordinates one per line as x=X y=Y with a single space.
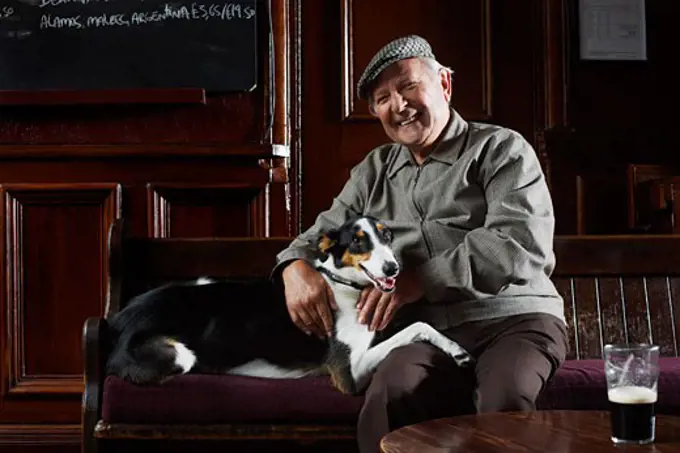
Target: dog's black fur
x=225 y=323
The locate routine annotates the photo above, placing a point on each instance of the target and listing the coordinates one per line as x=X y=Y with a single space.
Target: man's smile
x=408 y=120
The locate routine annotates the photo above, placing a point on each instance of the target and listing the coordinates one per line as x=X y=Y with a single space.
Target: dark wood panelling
x=66 y=265
x=134 y=173
x=225 y=210
x=39 y=438
x=618 y=113
x=654 y=198
x=53 y=234
x=169 y=169
x=515 y=28
x=233 y=118
x=548 y=39
x=638 y=97
x=367 y=26
x=165 y=150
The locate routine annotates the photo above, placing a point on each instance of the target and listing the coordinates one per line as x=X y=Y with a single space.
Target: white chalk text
x=167 y=12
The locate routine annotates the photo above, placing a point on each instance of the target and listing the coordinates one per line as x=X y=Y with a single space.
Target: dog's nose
x=390 y=269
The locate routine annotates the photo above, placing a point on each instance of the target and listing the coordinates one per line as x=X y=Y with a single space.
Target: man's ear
x=445 y=80
x=325 y=242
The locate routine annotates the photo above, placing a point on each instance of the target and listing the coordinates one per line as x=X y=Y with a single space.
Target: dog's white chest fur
x=348 y=330
x=355 y=335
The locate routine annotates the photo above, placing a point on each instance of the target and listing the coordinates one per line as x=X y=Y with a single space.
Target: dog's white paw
x=421 y=331
x=463 y=359
x=458 y=354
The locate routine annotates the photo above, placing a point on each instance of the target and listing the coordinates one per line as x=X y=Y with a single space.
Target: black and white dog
x=243 y=327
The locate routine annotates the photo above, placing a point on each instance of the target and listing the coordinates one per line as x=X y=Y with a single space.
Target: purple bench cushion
x=213 y=399
x=580 y=384
x=210 y=399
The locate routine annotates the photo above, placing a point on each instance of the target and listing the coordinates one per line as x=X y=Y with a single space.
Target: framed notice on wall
x=612 y=30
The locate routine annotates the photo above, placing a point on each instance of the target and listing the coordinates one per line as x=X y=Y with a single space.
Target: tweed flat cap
x=401 y=48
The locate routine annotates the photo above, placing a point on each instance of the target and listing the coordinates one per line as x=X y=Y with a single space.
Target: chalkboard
x=128 y=44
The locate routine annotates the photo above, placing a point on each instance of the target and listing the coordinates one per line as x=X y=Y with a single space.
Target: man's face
x=412 y=102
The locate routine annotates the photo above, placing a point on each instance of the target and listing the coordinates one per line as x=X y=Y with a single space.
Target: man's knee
x=511 y=377
x=509 y=391
x=401 y=372
x=512 y=372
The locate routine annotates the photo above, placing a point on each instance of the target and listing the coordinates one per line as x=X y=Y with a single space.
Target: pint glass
x=632 y=372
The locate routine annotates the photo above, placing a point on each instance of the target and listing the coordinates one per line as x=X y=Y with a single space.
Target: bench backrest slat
x=619 y=289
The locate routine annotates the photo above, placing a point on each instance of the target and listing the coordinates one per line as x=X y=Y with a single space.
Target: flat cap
x=400 y=49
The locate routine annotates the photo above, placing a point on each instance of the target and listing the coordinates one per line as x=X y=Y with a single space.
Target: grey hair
x=432 y=64
x=435 y=66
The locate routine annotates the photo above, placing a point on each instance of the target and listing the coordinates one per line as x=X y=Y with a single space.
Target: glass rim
x=631 y=347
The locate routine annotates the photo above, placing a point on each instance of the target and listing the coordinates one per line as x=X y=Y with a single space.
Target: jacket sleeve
x=515 y=243
x=348 y=203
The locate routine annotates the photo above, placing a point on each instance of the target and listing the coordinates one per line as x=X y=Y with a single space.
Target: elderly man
x=473 y=223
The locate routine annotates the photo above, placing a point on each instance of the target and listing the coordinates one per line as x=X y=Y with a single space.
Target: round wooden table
x=540 y=431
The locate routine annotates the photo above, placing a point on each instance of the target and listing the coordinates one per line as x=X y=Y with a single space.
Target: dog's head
x=360 y=251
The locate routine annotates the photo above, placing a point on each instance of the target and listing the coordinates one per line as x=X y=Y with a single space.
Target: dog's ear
x=385 y=232
x=325 y=242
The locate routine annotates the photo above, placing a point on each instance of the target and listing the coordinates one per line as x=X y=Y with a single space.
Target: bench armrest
x=96 y=348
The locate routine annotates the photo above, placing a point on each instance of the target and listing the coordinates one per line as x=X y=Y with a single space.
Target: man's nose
x=397 y=102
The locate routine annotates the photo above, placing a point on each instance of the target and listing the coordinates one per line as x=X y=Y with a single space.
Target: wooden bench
x=616 y=288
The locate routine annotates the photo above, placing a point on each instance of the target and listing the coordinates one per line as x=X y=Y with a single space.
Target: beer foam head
x=632 y=395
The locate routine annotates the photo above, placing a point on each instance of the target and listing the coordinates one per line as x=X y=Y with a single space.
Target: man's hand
x=309 y=299
x=379 y=308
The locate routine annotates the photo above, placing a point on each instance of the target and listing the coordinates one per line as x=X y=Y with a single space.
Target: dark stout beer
x=632 y=414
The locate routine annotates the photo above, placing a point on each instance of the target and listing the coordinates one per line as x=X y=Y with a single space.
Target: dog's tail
x=143 y=358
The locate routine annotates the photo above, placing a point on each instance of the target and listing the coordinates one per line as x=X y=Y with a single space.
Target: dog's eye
x=355 y=239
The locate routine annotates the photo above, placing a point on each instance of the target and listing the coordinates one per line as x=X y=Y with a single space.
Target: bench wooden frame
x=616 y=288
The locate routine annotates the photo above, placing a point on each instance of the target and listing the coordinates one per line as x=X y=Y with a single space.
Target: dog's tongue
x=386 y=283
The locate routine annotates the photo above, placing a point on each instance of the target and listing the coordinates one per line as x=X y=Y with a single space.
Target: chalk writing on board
x=129 y=44
x=6 y=11
x=189 y=12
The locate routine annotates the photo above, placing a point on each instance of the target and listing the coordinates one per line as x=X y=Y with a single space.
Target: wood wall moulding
x=278 y=91
x=145 y=150
x=53 y=235
x=39 y=435
x=551 y=65
x=367 y=26
x=231 y=118
x=236 y=209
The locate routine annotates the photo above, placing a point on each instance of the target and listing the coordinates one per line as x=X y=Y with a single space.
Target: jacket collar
x=447 y=150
